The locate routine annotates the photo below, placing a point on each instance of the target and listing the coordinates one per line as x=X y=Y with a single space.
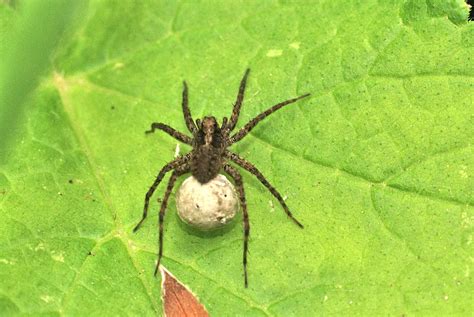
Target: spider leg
x=174 y=133
x=252 y=169
x=168 y=167
x=243 y=202
x=252 y=123
x=187 y=113
x=238 y=103
x=164 y=204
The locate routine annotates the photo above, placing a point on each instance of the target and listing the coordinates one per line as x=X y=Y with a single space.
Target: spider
x=210 y=155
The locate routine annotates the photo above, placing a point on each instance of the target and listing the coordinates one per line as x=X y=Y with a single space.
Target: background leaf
x=38 y=29
x=377 y=164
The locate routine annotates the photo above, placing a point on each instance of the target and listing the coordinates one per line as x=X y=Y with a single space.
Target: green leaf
x=377 y=164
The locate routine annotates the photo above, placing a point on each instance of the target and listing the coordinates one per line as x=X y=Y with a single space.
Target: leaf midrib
x=61 y=86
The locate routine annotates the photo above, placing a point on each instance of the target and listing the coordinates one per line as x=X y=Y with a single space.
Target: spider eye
x=200 y=137
x=216 y=139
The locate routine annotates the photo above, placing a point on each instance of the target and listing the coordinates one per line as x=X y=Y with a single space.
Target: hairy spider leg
x=252 y=123
x=234 y=173
x=168 y=167
x=186 y=112
x=254 y=171
x=238 y=103
x=164 y=204
x=174 y=133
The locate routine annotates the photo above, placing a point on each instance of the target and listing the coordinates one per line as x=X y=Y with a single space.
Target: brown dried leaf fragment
x=178 y=300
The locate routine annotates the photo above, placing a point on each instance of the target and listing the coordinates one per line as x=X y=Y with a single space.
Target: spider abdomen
x=206 y=163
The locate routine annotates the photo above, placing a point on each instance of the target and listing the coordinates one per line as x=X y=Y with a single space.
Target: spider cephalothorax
x=210 y=156
x=208 y=150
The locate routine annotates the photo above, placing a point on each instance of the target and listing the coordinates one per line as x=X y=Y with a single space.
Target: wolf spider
x=209 y=156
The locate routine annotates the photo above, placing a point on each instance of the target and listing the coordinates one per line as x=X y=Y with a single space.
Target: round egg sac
x=207 y=206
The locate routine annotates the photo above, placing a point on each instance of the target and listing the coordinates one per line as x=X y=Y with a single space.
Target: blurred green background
x=27 y=46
